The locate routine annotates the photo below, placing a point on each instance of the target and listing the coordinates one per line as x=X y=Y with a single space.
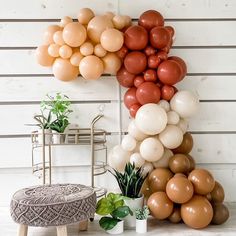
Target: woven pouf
x=53 y=205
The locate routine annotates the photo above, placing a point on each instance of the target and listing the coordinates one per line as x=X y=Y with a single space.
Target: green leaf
x=108 y=223
x=104 y=207
x=121 y=212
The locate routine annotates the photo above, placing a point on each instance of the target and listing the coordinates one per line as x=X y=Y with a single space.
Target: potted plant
x=130 y=183
x=113 y=210
x=141 y=219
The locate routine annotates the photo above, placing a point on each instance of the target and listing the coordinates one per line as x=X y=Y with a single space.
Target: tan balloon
x=91 y=67
x=202 y=181
x=74 y=34
x=63 y=70
x=96 y=26
x=42 y=56
x=119 y=22
x=49 y=32
x=175 y=216
x=145 y=190
x=164 y=161
x=85 y=15
x=65 y=51
x=220 y=213
x=217 y=194
x=66 y=20
x=109 y=14
x=58 y=38
x=186 y=146
x=179 y=163
x=99 y=51
x=197 y=213
x=76 y=58
x=53 y=50
x=128 y=20
x=192 y=163
x=86 y=49
x=112 y=63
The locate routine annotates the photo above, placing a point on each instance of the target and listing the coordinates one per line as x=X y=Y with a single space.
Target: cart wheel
x=91 y=219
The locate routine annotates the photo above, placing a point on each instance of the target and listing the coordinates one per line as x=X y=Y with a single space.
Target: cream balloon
x=43 y=57
x=99 y=51
x=53 y=50
x=183 y=125
x=128 y=143
x=147 y=168
x=137 y=160
x=151 y=149
x=86 y=49
x=76 y=58
x=185 y=103
x=151 y=119
x=171 y=137
x=172 y=118
x=85 y=15
x=164 y=104
x=91 y=67
x=66 y=20
x=135 y=132
x=164 y=161
x=65 y=51
x=112 y=63
x=119 y=22
x=49 y=32
x=58 y=38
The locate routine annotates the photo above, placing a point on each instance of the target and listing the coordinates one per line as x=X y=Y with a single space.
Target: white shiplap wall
x=205 y=38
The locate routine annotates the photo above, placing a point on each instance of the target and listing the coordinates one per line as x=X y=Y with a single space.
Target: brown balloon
x=159 y=178
x=197 y=213
x=202 y=181
x=220 y=214
x=217 y=194
x=160 y=205
x=186 y=145
x=125 y=78
x=145 y=190
x=159 y=37
x=179 y=189
x=175 y=216
x=192 y=163
x=179 y=163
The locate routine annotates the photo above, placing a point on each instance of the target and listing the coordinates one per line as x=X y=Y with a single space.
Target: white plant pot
x=47 y=136
x=133 y=204
x=141 y=226
x=118 y=229
x=58 y=138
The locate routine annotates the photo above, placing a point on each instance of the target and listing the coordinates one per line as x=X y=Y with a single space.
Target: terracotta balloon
x=122 y=52
x=65 y=51
x=138 y=80
x=175 y=216
x=192 y=163
x=86 y=49
x=112 y=63
x=181 y=63
x=217 y=194
x=159 y=178
x=125 y=78
x=160 y=205
x=43 y=57
x=96 y=26
x=153 y=61
x=136 y=37
x=49 y=32
x=149 y=51
x=197 y=213
x=167 y=92
x=159 y=37
x=53 y=50
x=63 y=70
x=150 y=19
x=134 y=109
x=76 y=58
x=179 y=163
x=66 y=20
x=85 y=15
x=220 y=214
x=186 y=145
x=74 y=34
x=135 y=62
x=179 y=190
x=119 y=22
x=162 y=55
x=150 y=75
x=202 y=181
x=170 y=30
x=130 y=97
x=99 y=51
x=58 y=38
x=91 y=67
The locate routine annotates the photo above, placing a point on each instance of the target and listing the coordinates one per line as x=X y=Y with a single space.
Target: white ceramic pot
x=133 y=204
x=47 y=136
x=141 y=226
x=118 y=229
x=58 y=138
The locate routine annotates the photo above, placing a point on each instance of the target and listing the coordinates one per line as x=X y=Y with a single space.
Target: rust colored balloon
x=159 y=178
x=159 y=37
x=179 y=189
x=171 y=30
x=162 y=55
x=150 y=19
x=197 y=213
x=148 y=92
x=202 y=181
x=138 y=80
x=186 y=145
x=160 y=205
x=130 y=97
x=125 y=78
x=133 y=110
x=175 y=216
x=122 y=52
x=220 y=214
x=179 y=163
x=149 y=50
x=192 y=162
x=153 y=61
x=150 y=75
x=217 y=194
x=181 y=63
x=135 y=62
x=136 y=37
x=167 y=92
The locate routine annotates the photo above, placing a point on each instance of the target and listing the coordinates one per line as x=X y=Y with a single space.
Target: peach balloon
x=91 y=67
x=119 y=22
x=217 y=194
x=63 y=70
x=58 y=38
x=49 y=32
x=76 y=58
x=96 y=26
x=86 y=49
x=53 y=50
x=65 y=51
x=112 y=63
x=66 y=20
x=99 y=51
x=85 y=15
x=179 y=163
x=42 y=56
x=109 y=15
x=74 y=34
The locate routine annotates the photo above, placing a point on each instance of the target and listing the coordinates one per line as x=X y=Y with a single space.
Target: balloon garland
x=157 y=138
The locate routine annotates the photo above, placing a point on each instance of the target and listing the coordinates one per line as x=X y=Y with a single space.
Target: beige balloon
x=91 y=67
x=74 y=34
x=109 y=15
x=99 y=51
x=112 y=63
x=43 y=57
x=63 y=70
x=66 y=20
x=58 y=38
x=49 y=32
x=96 y=26
x=76 y=58
x=85 y=15
x=119 y=22
x=65 y=51
x=164 y=161
x=86 y=49
x=53 y=50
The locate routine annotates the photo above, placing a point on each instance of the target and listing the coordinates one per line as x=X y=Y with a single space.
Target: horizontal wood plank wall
x=205 y=38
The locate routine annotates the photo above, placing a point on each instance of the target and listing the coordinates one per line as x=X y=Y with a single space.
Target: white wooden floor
x=9 y=228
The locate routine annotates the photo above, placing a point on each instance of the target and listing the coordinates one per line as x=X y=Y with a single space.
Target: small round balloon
x=85 y=15
x=112 y=63
x=43 y=57
x=49 y=32
x=128 y=143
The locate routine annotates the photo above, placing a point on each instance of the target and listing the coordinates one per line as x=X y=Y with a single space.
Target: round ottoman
x=53 y=205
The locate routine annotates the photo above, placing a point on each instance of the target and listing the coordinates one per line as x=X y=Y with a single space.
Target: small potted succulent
x=130 y=183
x=141 y=219
x=112 y=209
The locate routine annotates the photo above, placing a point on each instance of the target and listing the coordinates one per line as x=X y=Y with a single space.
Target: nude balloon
x=65 y=20
x=99 y=51
x=164 y=161
x=86 y=49
x=53 y=50
x=85 y=15
x=137 y=160
x=49 y=32
x=65 y=51
x=112 y=63
x=58 y=38
x=135 y=132
x=43 y=57
x=128 y=143
x=76 y=58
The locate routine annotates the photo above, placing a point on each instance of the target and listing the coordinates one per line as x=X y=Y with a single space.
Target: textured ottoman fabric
x=53 y=205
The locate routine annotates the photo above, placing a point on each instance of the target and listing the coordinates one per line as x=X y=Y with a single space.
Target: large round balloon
x=130 y=97
x=164 y=161
x=135 y=132
x=49 y=32
x=151 y=119
x=112 y=63
x=179 y=163
x=76 y=58
x=186 y=145
x=43 y=57
x=159 y=37
x=220 y=213
x=125 y=78
x=217 y=194
x=197 y=213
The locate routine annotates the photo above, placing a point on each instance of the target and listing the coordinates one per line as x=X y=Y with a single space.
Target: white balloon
x=172 y=118
x=137 y=159
x=147 y=168
x=151 y=149
x=135 y=132
x=183 y=125
x=164 y=161
x=128 y=143
x=171 y=137
x=151 y=119
x=185 y=103
x=164 y=104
